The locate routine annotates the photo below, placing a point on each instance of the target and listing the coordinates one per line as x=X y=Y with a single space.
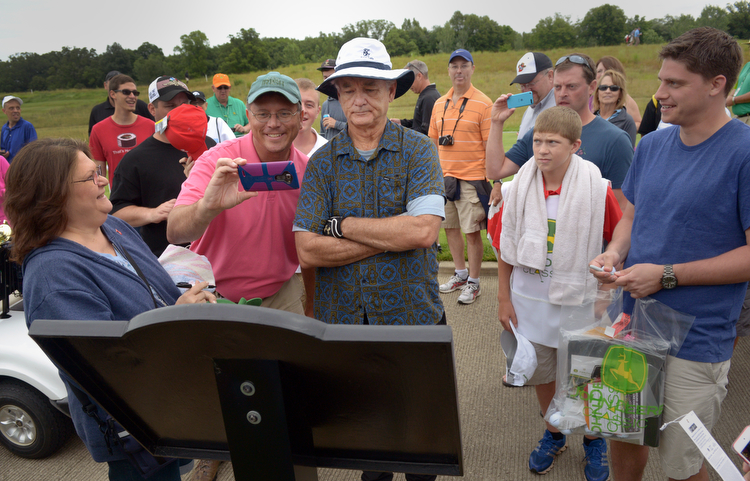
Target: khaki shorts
x=466 y=213
x=690 y=386
x=287 y=298
x=745 y=119
x=546 y=368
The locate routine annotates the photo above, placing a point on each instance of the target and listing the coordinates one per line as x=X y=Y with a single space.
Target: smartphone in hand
x=520 y=100
x=742 y=445
x=265 y=176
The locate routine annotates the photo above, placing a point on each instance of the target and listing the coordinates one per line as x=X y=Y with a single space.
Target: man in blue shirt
x=684 y=237
x=16 y=132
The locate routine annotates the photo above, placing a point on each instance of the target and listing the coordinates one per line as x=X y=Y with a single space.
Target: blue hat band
x=376 y=65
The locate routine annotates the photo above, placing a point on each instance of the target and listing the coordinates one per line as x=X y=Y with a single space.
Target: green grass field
x=65 y=113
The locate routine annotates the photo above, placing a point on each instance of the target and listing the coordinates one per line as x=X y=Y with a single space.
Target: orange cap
x=221 y=79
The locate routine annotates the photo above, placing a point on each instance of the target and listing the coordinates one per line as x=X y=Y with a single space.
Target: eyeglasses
x=284 y=116
x=613 y=88
x=465 y=66
x=577 y=59
x=94 y=178
x=127 y=92
x=532 y=84
x=223 y=87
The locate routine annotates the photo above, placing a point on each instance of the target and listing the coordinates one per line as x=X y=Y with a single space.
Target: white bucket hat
x=520 y=357
x=366 y=58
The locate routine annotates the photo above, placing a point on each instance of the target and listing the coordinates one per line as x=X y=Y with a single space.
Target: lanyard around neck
x=460 y=113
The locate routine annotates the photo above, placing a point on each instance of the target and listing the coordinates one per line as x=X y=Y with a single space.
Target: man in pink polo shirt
x=247 y=236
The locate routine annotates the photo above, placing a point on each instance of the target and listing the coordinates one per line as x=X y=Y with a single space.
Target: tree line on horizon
x=246 y=51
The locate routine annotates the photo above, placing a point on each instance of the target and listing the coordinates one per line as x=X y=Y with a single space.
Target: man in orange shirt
x=460 y=126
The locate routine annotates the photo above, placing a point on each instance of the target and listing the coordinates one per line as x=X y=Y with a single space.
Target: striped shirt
x=465 y=158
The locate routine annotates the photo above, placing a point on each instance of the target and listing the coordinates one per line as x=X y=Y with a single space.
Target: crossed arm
x=365 y=237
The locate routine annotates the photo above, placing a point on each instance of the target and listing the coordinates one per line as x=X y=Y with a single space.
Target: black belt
x=740 y=116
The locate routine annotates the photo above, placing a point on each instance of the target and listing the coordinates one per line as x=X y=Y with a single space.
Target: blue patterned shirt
x=392 y=287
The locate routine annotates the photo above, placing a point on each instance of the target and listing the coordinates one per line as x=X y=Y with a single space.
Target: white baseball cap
x=520 y=357
x=8 y=98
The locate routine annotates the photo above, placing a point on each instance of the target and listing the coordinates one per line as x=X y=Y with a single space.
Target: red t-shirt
x=612 y=215
x=109 y=142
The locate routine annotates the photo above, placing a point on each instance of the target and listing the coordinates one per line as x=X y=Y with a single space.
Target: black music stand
x=277 y=393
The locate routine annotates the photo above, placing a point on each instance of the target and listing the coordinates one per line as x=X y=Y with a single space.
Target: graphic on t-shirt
x=126 y=140
x=551 y=228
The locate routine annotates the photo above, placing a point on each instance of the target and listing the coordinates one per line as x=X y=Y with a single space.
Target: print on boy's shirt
x=551 y=228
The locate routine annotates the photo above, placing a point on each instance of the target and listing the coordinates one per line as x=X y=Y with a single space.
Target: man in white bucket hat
x=371 y=204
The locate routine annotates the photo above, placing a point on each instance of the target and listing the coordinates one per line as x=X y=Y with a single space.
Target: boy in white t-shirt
x=560 y=200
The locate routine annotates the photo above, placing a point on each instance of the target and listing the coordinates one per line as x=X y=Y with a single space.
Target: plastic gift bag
x=610 y=367
x=184 y=265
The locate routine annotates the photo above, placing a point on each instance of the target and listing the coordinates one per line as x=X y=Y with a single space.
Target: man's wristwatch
x=668 y=279
x=333 y=227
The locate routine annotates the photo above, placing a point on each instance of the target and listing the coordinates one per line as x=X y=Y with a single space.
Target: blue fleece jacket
x=65 y=280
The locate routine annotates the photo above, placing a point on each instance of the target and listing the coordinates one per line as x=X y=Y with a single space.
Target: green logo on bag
x=624 y=369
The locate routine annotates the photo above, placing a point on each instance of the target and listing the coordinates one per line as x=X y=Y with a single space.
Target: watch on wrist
x=668 y=279
x=333 y=227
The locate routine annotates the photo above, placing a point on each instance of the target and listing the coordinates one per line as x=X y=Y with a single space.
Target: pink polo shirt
x=251 y=246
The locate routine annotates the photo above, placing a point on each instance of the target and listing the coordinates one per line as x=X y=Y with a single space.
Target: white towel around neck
x=579 y=227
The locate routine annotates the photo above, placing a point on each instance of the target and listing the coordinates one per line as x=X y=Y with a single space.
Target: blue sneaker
x=543 y=456
x=597 y=467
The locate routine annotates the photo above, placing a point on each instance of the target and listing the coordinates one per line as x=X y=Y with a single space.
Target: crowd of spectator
x=376 y=191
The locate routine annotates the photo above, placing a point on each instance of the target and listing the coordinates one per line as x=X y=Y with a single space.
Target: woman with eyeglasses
x=80 y=263
x=609 y=102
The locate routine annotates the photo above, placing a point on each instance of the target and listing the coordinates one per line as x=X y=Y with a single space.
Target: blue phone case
x=520 y=100
x=266 y=176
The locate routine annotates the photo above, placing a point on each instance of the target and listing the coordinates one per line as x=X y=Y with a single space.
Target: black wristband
x=333 y=227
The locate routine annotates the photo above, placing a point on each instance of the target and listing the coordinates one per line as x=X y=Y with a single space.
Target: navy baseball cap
x=463 y=53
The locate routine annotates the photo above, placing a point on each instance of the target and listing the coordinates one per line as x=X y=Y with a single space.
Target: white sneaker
x=470 y=293
x=454 y=283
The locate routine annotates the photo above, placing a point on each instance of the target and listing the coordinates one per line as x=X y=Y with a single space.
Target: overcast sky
x=42 y=26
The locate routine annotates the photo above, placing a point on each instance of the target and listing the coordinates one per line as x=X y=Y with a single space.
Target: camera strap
x=460 y=113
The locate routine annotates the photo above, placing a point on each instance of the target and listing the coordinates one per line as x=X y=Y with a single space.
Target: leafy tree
x=244 y=53
x=195 y=51
x=650 y=36
x=484 y=34
x=604 y=25
x=148 y=69
x=414 y=32
x=317 y=49
x=148 y=49
x=738 y=23
x=553 y=32
x=398 y=44
x=376 y=29
x=115 y=58
x=676 y=26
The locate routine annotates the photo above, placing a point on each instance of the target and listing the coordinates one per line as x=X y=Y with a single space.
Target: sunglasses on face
x=127 y=92
x=576 y=59
x=222 y=87
x=613 y=88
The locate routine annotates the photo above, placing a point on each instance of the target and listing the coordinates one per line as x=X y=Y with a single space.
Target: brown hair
x=617 y=79
x=588 y=73
x=117 y=80
x=611 y=63
x=707 y=52
x=559 y=120
x=37 y=189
